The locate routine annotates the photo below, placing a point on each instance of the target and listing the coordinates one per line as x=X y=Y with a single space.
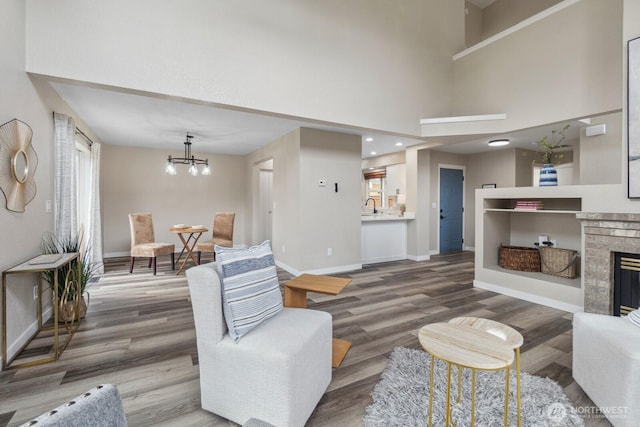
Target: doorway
x=451 y=220
x=265 y=202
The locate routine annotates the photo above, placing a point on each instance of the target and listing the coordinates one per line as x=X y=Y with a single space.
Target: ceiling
x=141 y=120
x=122 y=118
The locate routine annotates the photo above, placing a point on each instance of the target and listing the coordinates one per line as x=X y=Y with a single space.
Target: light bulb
x=206 y=170
x=170 y=169
x=193 y=170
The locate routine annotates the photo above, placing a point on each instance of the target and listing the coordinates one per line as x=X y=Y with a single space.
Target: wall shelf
x=499 y=223
x=542 y=211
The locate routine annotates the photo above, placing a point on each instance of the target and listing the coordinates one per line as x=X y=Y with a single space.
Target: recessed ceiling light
x=498 y=142
x=373 y=153
x=368 y=139
x=399 y=144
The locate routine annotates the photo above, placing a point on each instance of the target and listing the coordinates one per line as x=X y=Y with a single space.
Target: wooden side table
x=465 y=347
x=295 y=295
x=36 y=265
x=188 y=244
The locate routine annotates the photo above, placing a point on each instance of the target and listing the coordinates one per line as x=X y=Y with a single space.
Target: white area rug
x=401 y=398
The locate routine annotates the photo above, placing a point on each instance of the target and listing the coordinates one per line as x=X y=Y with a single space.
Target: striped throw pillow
x=250 y=288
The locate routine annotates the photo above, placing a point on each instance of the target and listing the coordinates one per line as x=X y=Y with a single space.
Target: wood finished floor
x=138 y=334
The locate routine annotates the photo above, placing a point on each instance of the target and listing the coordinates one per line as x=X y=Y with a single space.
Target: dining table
x=192 y=233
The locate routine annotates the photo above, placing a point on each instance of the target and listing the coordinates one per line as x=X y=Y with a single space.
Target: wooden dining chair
x=143 y=244
x=222 y=233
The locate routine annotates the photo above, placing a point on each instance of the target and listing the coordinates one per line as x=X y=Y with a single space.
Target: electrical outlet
x=329 y=252
x=283 y=251
x=35 y=292
x=554 y=243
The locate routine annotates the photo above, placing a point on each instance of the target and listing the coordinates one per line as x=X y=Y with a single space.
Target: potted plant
x=548 y=174
x=71 y=306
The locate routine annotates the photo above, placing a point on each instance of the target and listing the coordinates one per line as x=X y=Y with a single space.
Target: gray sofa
x=276 y=373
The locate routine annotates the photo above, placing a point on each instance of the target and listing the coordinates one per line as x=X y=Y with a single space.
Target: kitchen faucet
x=374 y=204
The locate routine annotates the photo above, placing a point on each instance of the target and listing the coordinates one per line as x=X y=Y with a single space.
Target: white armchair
x=606 y=364
x=276 y=373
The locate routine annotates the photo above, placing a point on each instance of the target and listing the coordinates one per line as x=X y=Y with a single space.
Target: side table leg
x=446 y=407
x=506 y=397
x=473 y=397
x=295 y=297
x=433 y=362
x=459 y=384
x=518 y=382
x=54 y=293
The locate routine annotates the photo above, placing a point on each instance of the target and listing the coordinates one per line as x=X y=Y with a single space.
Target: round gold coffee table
x=510 y=336
x=465 y=347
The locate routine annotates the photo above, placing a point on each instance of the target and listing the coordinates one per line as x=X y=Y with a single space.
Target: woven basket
x=559 y=262
x=519 y=258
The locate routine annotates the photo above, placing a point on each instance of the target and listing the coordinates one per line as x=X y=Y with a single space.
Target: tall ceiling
x=120 y=117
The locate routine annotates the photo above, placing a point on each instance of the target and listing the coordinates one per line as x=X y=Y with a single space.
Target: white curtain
x=66 y=190
x=94 y=231
x=64 y=187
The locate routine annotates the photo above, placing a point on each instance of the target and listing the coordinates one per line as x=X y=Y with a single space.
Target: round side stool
x=508 y=334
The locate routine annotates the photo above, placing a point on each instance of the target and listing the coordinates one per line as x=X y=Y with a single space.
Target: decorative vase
x=548 y=176
x=70 y=311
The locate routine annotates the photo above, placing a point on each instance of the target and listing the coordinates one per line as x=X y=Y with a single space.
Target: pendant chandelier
x=188 y=159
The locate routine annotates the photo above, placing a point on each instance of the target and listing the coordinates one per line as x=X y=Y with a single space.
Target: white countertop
x=386 y=217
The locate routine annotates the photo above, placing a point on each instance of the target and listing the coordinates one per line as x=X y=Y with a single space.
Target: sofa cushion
x=250 y=288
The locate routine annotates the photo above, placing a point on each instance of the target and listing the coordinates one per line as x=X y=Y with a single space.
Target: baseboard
x=419 y=258
x=116 y=254
x=529 y=297
x=469 y=248
x=15 y=346
x=434 y=252
x=383 y=259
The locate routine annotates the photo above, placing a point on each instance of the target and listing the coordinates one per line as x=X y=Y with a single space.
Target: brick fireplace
x=605 y=234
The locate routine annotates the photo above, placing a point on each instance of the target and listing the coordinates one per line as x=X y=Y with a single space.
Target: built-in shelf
x=574 y=283
x=498 y=222
x=544 y=211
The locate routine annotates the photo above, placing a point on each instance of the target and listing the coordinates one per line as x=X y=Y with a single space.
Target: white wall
x=503 y=14
x=562 y=67
x=32 y=102
x=307 y=218
x=383 y=66
x=419 y=201
x=133 y=181
x=329 y=219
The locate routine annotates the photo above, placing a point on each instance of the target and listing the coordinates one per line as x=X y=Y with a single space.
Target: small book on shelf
x=529 y=205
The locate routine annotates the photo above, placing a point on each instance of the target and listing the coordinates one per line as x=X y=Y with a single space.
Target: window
x=83 y=184
x=375 y=182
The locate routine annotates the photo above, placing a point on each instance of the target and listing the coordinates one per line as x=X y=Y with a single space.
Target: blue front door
x=451 y=210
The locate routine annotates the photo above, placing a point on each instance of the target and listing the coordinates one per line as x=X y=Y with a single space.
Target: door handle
x=442 y=217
